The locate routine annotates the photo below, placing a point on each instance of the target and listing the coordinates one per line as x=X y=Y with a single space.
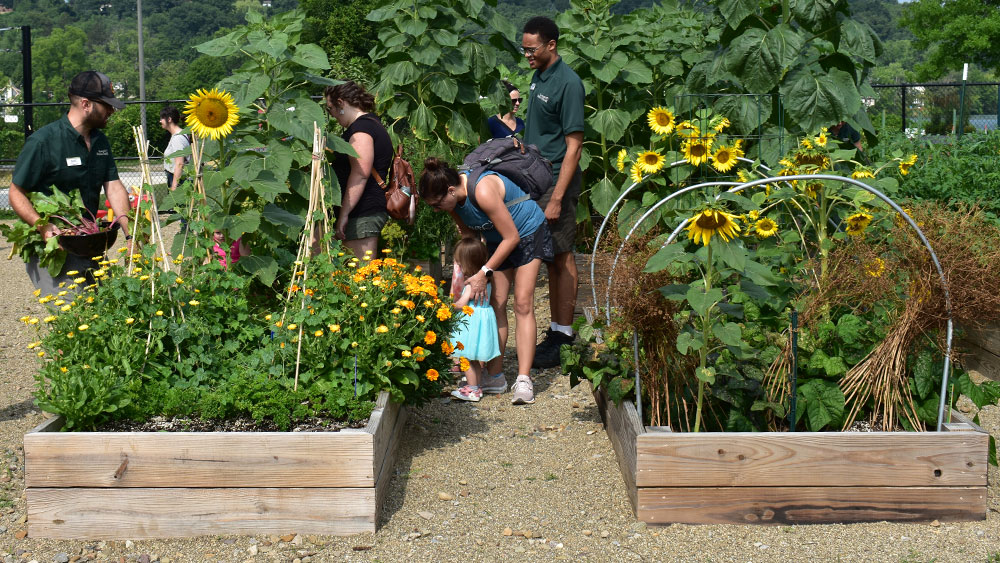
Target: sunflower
x=821 y=139
x=806 y=144
x=812 y=190
x=766 y=228
x=910 y=160
x=857 y=223
x=696 y=151
x=650 y=162
x=906 y=163
x=862 y=172
x=720 y=123
x=636 y=173
x=688 y=129
x=709 y=222
x=661 y=120
x=725 y=158
x=621 y=160
x=212 y=113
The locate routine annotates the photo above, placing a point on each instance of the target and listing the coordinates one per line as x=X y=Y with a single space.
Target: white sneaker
x=523 y=391
x=493 y=384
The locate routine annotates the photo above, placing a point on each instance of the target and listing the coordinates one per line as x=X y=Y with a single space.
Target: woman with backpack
x=363 y=206
x=518 y=240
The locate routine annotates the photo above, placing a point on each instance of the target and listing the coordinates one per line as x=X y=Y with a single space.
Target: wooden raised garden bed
x=798 y=477
x=118 y=485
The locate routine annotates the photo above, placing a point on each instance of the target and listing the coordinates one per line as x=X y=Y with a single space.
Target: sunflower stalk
x=706 y=327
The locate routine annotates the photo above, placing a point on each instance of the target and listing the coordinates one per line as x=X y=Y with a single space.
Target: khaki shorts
x=365 y=226
x=564 y=229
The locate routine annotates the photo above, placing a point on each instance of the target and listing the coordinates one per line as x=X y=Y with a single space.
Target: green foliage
x=437 y=59
x=954 y=32
x=600 y=357
x=27 y=242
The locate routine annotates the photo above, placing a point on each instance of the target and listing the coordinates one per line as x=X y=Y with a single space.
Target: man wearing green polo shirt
x=554 y=123
x=71 y=154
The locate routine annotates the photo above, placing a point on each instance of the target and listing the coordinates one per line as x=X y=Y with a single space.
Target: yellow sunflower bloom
x=650 y=162
x=862 y=172
x=766 y=228
x=876 y=268
x=697 y=151
x=710 y=222
x=910 y=160
x=720 y=123
x=857 y=223
x=212 y=113
x=820 y=139
x=661 y=120
x=621 y=160
x=636 y=173
x=725 y=158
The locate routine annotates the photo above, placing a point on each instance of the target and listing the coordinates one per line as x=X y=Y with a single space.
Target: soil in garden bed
x=182 y=424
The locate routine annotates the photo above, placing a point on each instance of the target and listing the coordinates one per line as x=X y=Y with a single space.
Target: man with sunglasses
x=554 y=123
x=71 y=154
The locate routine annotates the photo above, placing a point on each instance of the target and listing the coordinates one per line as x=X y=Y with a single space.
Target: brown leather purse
x=399 y=200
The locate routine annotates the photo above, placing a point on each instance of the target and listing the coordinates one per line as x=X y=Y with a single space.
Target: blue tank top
x=527 y=215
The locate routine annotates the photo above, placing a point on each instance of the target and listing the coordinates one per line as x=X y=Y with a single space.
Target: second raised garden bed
x=798 y=477
x=118 y=485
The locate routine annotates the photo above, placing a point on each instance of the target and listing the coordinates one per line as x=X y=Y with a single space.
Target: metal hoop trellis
x=737 y=187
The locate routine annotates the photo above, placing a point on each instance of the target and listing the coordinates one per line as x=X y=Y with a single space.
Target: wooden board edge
x=810 y=505
x=118 y=514
x=383 y=471
x=962 y=419
x=53 y=424
x=623 y=426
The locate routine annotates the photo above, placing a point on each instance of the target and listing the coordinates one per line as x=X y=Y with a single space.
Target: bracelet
x=128 y=237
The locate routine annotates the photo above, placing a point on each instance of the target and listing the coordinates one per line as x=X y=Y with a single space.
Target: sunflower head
x=876 y=268
x=765 y=228
x=696 y=151
x=636 y=173
x=710 y=222
x=857 y=223
x=212 y=114
x=661 y=120
x=719 y=123
x=621 y=160
x=725 y=158
x=862 y=172
x=650 y=161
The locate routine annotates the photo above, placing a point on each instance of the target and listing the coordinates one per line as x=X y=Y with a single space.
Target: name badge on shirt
x=74 y=161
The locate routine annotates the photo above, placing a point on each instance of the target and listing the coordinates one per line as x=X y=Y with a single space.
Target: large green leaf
x=401 y=73
x=746 y=113
x=760 y=59
x=729 y=334
x=423 y=122
x=816 y=100
x=822 y=401
x=338 y=144
x=384 y=13
x=857 y=38
x=278 y=159
x=735 y=11
x=311 y=56
x=611 y=123
x=268 y=187
x=412 y=26
x=637 y=72
x=222 y=46
x=603 y=195
x=609 y=70
x=813 y=12
x=445 y=37
x=445 y=87
x=264 y=267
x=700 y=300
x=426 y=53
x=459 y=129
x=483 y=58
x=246 y=222
x=282 y=218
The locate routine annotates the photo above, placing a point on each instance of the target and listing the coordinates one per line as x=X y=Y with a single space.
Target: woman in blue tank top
x=518 y=240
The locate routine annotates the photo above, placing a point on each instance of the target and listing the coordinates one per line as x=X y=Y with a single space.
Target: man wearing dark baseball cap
x=71 y=154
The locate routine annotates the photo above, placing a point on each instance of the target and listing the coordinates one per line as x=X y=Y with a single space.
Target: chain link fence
x=936 y=108
x=118 y=131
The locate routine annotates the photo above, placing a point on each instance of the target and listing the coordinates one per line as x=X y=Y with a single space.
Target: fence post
x=27 y=98
x=961 y=101
x=998 y=107
x=902 y=89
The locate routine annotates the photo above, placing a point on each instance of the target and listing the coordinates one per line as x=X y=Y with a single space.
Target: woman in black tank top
x=362 y=211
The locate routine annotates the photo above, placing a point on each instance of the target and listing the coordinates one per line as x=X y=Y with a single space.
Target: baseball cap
x=96 y=86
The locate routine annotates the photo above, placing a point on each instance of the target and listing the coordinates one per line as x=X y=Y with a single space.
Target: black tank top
x=373 y=198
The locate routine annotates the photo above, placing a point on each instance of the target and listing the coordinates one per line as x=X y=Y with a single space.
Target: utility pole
x=142 y=73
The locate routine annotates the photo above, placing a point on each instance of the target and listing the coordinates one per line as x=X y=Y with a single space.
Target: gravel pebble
x=505 y=465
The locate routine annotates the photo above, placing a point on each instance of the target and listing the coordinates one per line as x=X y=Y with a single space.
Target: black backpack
x=522 y=164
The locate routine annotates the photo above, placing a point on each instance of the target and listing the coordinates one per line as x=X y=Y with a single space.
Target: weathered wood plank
x=980 y=361
x=623 y=426
x=386 y=449
x=987 y=338
x=183 y=512
x=892 y=459
x=198 y=459
x=810 y=505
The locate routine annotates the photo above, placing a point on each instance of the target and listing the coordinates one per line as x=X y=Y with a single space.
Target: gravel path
x=479 y=482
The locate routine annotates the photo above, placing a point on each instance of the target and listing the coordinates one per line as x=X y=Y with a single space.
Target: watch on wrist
x=487 y=272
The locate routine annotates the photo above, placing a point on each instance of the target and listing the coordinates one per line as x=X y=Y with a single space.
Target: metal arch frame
x=806 y=177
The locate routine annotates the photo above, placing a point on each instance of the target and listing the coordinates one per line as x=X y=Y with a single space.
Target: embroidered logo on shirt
x=102 y=152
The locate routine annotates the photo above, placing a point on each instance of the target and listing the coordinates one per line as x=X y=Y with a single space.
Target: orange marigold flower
x=443 y=314
x=432 y=374
x=467 y=310
x=294 y=288
x=447 y=348
x=459 y=346
x=419 y=353
x=430 y=337
x=463 y=364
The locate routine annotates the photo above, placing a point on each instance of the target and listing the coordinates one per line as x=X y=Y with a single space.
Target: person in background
x=69 y=154
x=173 y=165
x=554 y=123
x=846 y=134
x=478 y=332
x=507 y=124
x=363 y=208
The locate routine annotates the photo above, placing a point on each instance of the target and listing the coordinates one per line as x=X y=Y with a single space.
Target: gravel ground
x=470 y=474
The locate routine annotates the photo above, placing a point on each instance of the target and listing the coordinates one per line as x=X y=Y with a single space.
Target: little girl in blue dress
x=478 y=333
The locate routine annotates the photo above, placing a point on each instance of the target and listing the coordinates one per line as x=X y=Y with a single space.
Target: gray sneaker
x=493 y=384
x=523 y=391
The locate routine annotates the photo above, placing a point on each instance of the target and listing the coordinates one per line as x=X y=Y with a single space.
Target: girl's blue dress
x=478 y=333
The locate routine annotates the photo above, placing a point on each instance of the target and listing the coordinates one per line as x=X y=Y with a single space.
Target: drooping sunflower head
x=636 y=173
x=650 y=161
x=697 y=151
x=862 y=172
x=857 y=223
x=813 y=189
x=661 y=120
x=212 y=114
x=710 y=222
x=906 y=163
x=688 y=129
x=621 y=160
x=765 y=228
x=725 y=158
x=719 y=123
x=806 y=144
